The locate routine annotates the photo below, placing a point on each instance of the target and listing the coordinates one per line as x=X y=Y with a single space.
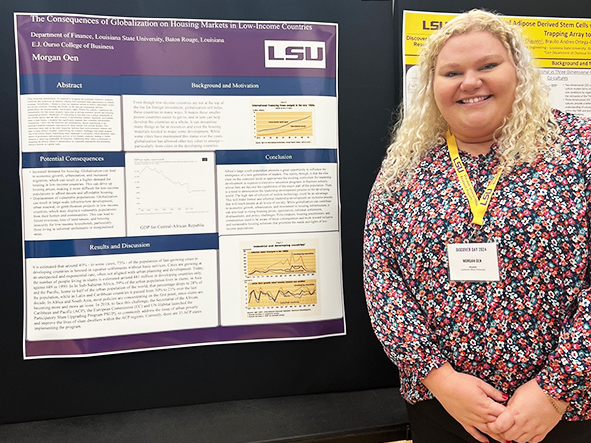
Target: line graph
x=171 y=192
x=166 y=186
x=284 y=123
x=281 y=262
x=186 y=186
x=282 y=293
x=279 y=278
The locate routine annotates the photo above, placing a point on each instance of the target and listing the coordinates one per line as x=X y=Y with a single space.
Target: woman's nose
x=471 y=81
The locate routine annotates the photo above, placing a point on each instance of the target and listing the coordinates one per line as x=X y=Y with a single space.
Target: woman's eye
x=490 y=66
x=451 y=74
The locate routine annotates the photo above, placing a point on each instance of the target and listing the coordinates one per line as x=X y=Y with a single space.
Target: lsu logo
x=485 y=198
x=433 y=25
x=294 y=54
x=459 y=166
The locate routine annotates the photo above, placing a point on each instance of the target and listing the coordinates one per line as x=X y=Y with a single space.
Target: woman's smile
x=474 y=100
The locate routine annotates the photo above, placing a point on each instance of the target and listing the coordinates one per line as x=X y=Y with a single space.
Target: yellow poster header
x=554 y=43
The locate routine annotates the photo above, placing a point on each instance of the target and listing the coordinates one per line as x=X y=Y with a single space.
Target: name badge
x=473 y=262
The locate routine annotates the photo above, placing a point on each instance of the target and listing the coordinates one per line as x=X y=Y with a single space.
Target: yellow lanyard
x=478 y=206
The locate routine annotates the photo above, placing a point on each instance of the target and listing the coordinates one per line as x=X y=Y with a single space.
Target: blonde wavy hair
x=528 y=130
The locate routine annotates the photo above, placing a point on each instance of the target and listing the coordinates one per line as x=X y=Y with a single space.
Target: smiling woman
x=474 y=88
x=476 y=246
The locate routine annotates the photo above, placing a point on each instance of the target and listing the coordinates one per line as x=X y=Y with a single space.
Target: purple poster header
x=99 y=45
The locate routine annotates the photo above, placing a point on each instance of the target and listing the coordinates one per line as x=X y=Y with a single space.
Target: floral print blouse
x=533 y=323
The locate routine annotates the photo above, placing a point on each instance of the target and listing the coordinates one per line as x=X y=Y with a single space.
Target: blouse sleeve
x=568 y=370
x=567 y=374
x=396 y=318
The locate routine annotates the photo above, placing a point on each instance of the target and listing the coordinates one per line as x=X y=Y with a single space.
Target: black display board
x=369 y=79
x=50 y=388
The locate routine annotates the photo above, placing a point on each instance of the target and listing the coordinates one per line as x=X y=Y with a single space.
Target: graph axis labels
x=287 y=122
x=280 y=279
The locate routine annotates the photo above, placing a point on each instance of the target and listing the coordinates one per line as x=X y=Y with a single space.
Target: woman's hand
x=529 y=415
x=471 y=401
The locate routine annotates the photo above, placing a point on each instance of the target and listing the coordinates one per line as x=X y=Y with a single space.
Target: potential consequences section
x=71 y=195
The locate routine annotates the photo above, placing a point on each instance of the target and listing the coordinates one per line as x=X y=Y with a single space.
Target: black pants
x=430 y=423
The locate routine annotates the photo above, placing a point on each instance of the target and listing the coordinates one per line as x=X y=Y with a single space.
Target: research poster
x=179 y=182
x=561 y=48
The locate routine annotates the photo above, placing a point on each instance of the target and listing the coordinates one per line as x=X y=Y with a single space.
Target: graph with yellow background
x=279 y=262
x=283 y=122
x=280 y=277
x=289 y=292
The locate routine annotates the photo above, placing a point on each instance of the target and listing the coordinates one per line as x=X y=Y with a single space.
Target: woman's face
x=474 y=85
